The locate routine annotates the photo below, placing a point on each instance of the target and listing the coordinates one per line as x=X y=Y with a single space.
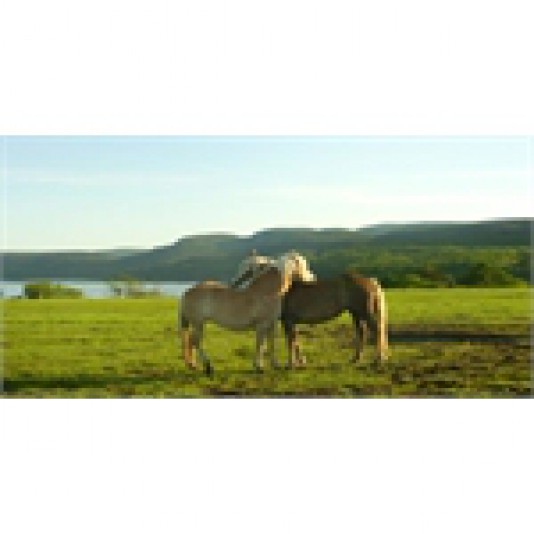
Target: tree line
x=122 y=287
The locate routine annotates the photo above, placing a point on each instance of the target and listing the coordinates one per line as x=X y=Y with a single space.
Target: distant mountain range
x=217 y=255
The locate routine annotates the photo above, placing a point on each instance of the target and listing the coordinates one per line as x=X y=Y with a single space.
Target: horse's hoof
x=209 y=369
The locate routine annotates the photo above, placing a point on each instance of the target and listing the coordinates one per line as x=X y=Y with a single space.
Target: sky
x=95 y=193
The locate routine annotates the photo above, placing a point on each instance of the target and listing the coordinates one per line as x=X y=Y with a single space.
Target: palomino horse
x=316 y=302
x=257 y=307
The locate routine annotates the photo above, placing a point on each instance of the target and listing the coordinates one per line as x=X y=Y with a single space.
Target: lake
x=97 y=289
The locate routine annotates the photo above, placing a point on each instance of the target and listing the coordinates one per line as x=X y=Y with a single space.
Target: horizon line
x=132 y=248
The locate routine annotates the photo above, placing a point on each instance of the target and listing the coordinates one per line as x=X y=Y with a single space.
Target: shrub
x=487 y=275
x=50 y=290
x=128 y=287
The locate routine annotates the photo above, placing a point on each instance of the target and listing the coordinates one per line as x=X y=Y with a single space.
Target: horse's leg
x=187 y=345
x=300 y=358
x=271 y=336
x=360 y=338
x=260 y=349
x=290 y=335
x=295 y=358
x=198 y=334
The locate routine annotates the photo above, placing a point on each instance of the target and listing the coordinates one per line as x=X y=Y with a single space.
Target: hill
x=380 y=250
x=489 y=233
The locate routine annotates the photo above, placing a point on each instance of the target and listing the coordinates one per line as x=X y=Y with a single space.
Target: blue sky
x=107 y=192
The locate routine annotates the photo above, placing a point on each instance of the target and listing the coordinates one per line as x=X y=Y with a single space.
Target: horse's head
x=249 y=269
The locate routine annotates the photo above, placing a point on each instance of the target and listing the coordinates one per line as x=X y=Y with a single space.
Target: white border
x=287 y=67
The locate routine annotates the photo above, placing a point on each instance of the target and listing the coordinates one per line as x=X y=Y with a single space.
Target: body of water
x=97 y=289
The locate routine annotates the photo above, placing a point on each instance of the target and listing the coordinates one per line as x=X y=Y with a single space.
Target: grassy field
x=444 y=343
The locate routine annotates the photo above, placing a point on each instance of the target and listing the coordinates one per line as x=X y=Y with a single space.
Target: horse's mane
x=263 y=264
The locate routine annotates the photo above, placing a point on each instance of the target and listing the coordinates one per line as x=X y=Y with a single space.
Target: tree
x=489 y=275
x=125 y=286
x=49 y=290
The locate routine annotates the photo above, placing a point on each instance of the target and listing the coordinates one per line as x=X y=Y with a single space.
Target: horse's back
x=237 y=309
x=198 y=300
x=312 y=302
x=369 y=284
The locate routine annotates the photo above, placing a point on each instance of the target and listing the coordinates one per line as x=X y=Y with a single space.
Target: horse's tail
x=380 y=315
x=377 y=317
x=187 y=346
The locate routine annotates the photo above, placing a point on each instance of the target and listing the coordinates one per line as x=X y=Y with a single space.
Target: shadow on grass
x=85 y=381
x=179 y=377
x=471 y=371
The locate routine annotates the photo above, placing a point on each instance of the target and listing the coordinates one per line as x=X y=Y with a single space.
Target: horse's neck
x=271 y=282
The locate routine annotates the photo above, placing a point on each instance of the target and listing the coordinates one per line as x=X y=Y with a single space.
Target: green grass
x=506 y=311
x=130 y=348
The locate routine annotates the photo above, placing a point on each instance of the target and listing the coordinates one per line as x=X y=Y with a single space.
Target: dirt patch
x=441 y=336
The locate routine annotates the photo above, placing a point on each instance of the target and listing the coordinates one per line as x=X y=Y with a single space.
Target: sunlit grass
x=130 y=348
